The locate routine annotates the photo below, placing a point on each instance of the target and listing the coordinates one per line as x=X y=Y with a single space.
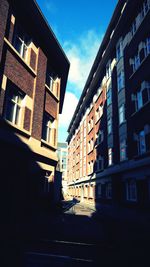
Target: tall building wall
x=112 y=115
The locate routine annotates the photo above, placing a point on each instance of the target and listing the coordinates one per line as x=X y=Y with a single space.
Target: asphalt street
x=78 y=237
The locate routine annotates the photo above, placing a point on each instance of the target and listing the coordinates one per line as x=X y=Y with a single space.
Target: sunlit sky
x=79 y=26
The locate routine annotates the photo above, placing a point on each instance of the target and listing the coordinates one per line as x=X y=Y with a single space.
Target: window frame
x=131 y=190
x=121 y=114
x=49 y=126
x=12 y=92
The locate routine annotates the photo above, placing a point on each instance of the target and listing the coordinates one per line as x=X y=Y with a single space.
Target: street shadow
x=22 y=195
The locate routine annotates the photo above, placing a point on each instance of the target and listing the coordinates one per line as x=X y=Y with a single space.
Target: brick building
x=109 y=134
x=33 y=76
x=62 y=164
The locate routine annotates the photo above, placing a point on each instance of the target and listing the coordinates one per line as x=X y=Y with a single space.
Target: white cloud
x=50 y=6
x=69 y=106
x=81 y=56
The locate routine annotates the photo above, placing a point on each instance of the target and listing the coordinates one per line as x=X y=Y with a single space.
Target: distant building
x=109 y=134
x=33 y=76
x=62 y=164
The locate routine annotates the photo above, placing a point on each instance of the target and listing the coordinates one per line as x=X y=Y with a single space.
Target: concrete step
x=44 y=253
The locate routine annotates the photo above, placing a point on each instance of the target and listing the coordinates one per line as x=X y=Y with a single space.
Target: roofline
x=50 y=29
x=117 y=10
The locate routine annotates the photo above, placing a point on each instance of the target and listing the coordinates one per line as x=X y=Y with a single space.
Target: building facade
x=33 y=76
x=62 y=164
x=109 y=134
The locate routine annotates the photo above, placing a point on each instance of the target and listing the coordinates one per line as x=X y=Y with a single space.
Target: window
x=99 y=163
x=142 y=96
x=14 y=104
x=50 y=79
x=121 y=114
x=131 y=190
x=109 y=126
x=142 y=143
x=91 y=193
x=108 y=70
x=21 y=42
x=90 y=167
x=99 y=137
x=133 y=28
x=90 y=125
x=108 y=190
x=119 y=50
x=147 y=47
x=123 y=150
x=47 y=128
x=146 y=6
x=99 y=190
x=109 y=96
x=99 y=112
x=110 y=157
x=136 y=62
x=86 y=191
x=120 y=80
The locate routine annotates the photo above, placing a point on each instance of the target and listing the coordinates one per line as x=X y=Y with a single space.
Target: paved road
x=77 y=237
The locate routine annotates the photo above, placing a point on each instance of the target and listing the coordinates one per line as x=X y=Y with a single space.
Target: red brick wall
x=32 y=59
x=11 y=32
x=39 y=96
x=18 y=74
x=2 y=95
x=4 y=6
x=51 y=105
x=27 y=119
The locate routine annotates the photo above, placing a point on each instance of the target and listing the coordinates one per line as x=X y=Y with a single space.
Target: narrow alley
x=80 y=237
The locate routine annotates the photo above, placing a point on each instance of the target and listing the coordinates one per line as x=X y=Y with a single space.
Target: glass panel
x=10 y=111
x=17 y=115
x=24 y=51
x=142 y=142
x=18 y=45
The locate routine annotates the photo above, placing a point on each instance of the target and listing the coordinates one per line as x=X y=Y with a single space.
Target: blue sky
x=79 y=26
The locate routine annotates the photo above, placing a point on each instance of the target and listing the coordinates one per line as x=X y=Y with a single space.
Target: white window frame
x=109 y=126
x=109 y=96
x=24 y=41
x=110 y=156
x=136 y=62
x=108 y=69
x=119 y=50
x=123 y=154
x=121 y=114
x=48 y=123
x=15 y=98
x=120 y=80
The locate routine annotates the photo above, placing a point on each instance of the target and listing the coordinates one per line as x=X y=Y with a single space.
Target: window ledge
x=98 y=120
x=18 y=55
x=90 y=130
x=122 y=123
x=121 y=89
x=134 y=36
x=90 y=151
x=48 y=89
x=48 y=145
x=137 y=111
x=142 y=62
x=97 y=145
x=144 y=155
x=19 y=129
